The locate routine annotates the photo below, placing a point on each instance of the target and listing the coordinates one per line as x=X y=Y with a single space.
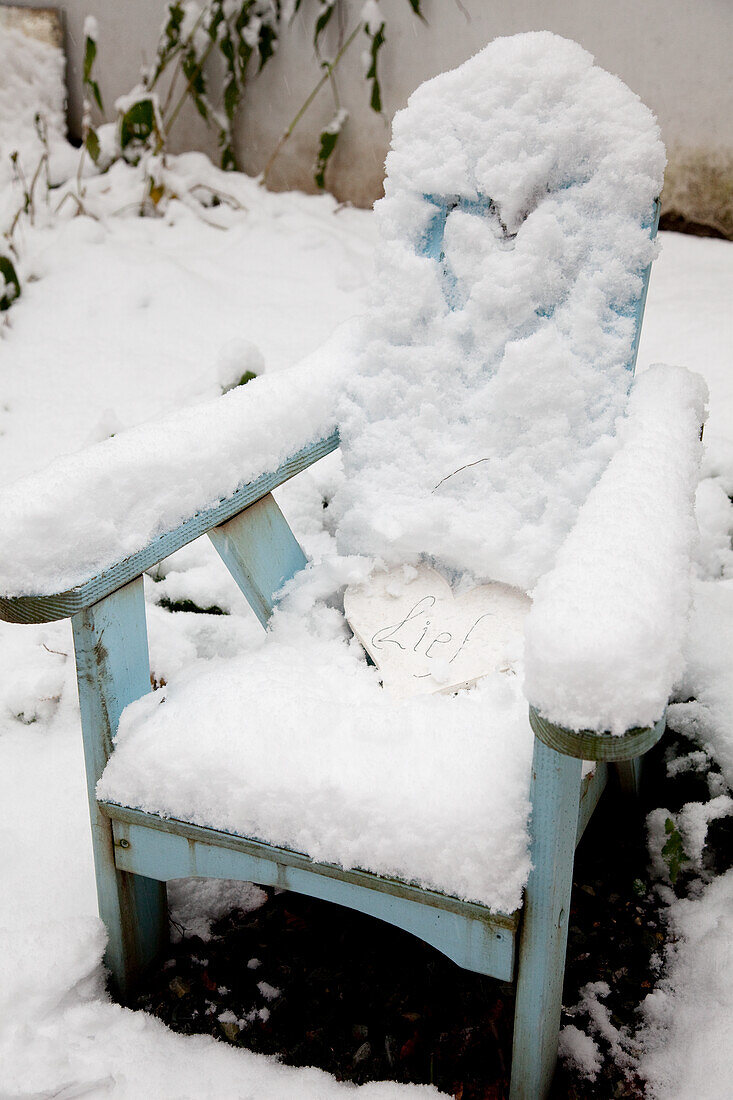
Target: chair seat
x=295 y=742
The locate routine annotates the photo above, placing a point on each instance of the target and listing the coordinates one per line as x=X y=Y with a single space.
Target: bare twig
x=81 y=208
x=329 y=66
x=460 y=468
x=224 y=196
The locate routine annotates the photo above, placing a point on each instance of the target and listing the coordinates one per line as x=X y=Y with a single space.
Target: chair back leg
x=113 y=669
x=628 y=773
x=555 y=794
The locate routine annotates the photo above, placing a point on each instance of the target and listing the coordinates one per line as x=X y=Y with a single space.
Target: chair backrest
x=517 y=231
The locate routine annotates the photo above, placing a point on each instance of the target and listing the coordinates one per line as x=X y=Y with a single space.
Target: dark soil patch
x=678 y=223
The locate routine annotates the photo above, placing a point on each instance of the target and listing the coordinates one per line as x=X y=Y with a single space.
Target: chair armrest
x=94 y=520
x=589 y=745
x=605 y=634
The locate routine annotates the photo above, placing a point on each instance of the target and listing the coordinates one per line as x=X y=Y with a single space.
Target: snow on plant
x=35 y=153
x=10 y=287
x=244 y=34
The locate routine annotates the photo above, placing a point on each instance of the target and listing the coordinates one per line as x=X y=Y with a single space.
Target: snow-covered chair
x=486 y=427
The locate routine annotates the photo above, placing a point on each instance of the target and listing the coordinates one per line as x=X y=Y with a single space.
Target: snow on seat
x=294 y=742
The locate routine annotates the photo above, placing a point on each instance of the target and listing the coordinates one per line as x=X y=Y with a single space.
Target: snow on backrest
x=515 y=235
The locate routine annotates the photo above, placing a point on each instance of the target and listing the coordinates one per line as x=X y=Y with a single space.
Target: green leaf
x=90 y=52
x=327 y=9
x=170 y=42
x=244 y=53
x=266 y=44
x=229 y=161
x=97 y=95
x=226 y=48
x=231 y=97
x=137 y=124
x=216 y=18
x=10 y=285
x=377 y=41
x=415 y=5
x=673 y=852
x=327 y=142
x=194 y=73
x=91 y=143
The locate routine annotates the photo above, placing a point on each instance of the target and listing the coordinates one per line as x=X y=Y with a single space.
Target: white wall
x=676 y=54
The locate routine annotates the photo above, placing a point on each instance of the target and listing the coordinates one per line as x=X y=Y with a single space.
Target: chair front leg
x=554 y=793
x=113 y=669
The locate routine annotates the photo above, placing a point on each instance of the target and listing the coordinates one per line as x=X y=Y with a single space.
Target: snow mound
x=486 y=397
x=605 y=636
x=32 y=85
x=688 y=1016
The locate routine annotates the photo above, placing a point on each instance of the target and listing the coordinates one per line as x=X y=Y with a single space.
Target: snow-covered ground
x=121 y=319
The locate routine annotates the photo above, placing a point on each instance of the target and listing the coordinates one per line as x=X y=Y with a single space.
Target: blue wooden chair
x=137 y=852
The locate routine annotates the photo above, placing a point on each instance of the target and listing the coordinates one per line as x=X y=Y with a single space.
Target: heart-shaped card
x=424 y=639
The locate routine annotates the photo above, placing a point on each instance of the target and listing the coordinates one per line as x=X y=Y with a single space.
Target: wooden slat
x=473 y=936
x=42 y=609
x=261 y=553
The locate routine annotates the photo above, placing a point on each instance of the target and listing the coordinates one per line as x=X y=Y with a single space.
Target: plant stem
x=168 y=126
x=328 y=75
x=80 y=167
x=177 y=50
x=171 y=89
x=43 y=163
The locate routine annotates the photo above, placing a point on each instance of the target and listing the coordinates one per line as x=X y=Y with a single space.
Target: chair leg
x=629 y=776
x=555 y=793
x=113 y=669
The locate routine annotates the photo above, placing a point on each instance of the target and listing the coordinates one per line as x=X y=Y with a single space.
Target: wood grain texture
x=589 y=745
x=111 y=645
x=61 y=605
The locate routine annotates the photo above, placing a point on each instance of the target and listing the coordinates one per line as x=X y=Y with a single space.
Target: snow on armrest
x=86 y=512
x=604 y=636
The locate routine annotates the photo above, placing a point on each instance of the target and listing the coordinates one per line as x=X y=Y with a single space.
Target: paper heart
x=424 y=639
